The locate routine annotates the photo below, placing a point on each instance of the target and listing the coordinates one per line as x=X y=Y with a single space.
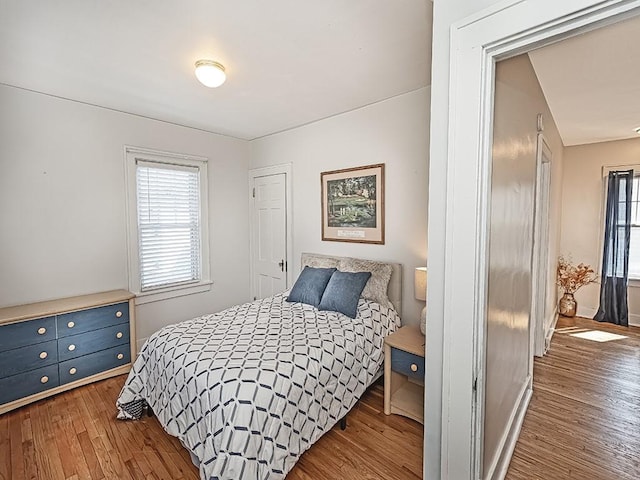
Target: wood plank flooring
x=583 y=421
x=75 y=436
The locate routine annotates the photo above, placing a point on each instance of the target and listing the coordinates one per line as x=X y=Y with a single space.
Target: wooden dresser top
x=63 y=305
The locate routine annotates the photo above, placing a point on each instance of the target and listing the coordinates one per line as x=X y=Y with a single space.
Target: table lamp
x=420 y=291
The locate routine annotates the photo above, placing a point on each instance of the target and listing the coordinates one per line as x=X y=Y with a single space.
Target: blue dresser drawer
x=27 y=358
x=86 y=320
x=16 y=335
x=78 y=345
x=25 y=384
x=405 y=363
x=81 y=367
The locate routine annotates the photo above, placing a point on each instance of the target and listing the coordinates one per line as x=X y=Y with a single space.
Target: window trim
x=131 y=154
x=632 y=281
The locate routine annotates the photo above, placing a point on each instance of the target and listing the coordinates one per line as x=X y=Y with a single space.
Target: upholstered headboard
x=394 y=291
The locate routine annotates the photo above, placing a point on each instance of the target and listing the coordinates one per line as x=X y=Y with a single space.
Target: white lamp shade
x=420 y=284
x=211 y=74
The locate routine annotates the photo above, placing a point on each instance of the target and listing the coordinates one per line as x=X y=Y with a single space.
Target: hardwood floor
x=75 y=436
x=583 y=421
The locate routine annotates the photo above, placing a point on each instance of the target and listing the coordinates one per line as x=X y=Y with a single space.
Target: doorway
x=476 y=46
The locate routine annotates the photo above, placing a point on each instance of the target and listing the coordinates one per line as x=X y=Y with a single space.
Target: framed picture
x=353 y=204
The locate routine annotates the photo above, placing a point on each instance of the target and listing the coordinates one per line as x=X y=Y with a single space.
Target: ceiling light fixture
x=209 y=73
x=637 y=130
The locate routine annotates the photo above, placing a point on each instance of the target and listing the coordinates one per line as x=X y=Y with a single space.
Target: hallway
x=583 y=421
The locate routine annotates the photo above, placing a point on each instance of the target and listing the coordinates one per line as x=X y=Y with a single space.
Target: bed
x=249 y=389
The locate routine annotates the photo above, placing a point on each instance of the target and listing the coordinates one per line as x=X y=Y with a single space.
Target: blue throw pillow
x=310 y=285
x=343 y=292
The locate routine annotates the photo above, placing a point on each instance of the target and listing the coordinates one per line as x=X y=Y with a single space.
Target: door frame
x=504 y=30
x=287 y=170
x=540 y=257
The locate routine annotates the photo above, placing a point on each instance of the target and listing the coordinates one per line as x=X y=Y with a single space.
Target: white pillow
x=319 y=262
x=376 y=287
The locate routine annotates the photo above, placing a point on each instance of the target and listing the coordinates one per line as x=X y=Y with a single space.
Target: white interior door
x=269 y=235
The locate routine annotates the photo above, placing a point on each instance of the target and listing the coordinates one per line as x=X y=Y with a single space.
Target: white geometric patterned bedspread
x=249 y=389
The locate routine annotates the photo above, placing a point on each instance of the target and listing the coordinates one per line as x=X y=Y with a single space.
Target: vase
x=568 y=305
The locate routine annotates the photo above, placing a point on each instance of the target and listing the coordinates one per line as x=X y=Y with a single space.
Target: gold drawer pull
x=42 y=331
x=118 y=314
x=414 y=367
x=44 y=379
x=119 y=335
x=71 y=324
x=72 y=347
x=43 y=355
x=120 y=356
x=73 y=371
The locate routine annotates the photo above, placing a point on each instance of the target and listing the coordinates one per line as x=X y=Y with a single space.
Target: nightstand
x=404 y=373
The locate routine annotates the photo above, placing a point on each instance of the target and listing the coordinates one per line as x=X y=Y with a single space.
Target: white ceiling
x=288 y=62
x=592 y=83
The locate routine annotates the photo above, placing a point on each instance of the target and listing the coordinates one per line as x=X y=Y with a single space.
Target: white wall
x=62 y=204
x=582 y=202
x=518 y=101
x=394 y=132
x=445 y=14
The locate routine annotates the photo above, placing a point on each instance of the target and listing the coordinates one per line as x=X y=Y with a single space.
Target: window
x=168 y=228
x=634 y=245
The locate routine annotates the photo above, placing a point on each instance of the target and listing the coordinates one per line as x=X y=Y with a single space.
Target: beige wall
x=582 y=203
x=518 y=101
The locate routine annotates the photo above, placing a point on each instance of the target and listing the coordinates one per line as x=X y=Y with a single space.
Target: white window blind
x=168 y=199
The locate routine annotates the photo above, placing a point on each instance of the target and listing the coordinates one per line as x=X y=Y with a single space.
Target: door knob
x=281 y=265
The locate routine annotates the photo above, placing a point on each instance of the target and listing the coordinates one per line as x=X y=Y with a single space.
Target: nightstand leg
x=387 y=380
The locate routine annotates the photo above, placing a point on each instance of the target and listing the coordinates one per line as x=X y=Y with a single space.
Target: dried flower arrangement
x=572 y=277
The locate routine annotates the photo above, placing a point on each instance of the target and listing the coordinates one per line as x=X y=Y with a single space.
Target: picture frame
x=353 y=204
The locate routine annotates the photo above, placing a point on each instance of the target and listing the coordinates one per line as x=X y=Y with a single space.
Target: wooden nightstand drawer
x=93 y=319
x=28 y=383
x=407 y=363
x=28 y=358
x=78 y=345
x=16 y=335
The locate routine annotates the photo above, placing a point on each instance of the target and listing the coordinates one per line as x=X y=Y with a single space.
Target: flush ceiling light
x=211 y=74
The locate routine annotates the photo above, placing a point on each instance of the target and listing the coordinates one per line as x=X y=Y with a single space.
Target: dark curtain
x=615 y=259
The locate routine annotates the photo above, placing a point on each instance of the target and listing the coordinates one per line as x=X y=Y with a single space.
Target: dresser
x=404 y=373
x=50 y=347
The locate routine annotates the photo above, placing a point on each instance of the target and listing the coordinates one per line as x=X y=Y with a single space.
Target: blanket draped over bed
x=249 y=389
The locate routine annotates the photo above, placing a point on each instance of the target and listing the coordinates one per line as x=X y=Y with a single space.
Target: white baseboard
x=548 y=335
x=587 y=312
x=500 y=463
